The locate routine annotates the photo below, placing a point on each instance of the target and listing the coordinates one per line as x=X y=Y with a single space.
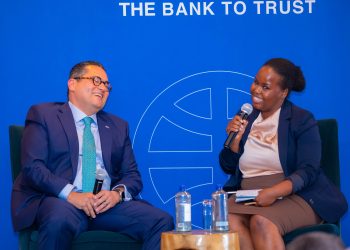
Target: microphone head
x=247 y=108
x=100 y=174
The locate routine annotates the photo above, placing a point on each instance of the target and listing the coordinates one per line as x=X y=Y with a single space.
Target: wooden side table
x=199 y=240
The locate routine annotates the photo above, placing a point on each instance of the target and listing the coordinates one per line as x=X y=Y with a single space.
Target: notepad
x=246 y=195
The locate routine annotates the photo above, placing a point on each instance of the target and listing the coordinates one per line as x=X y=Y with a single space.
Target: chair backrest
x=330 y=149
x=15 y=136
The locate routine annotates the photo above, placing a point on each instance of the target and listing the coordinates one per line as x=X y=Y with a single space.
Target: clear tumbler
x=207 y=214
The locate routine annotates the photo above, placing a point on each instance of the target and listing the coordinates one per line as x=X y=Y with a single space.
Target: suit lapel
x=67 y=121
x=104 y=128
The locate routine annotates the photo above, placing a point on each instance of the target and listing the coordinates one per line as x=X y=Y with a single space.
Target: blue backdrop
x=179 y=71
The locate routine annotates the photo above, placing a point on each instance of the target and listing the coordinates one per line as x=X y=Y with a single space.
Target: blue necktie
x=89 y=157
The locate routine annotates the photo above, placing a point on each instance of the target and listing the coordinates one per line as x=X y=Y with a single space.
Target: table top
x=199 y=232
x=200 y=240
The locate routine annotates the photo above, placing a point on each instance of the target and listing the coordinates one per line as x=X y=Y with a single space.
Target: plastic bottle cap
x=182 y=188
x=218 y=186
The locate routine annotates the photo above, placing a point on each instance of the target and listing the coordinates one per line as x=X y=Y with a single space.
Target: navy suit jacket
x=299 y=147
x=49 y=157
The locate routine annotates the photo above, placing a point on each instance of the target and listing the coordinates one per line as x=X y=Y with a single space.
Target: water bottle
x=220 y=216
x=183 y=210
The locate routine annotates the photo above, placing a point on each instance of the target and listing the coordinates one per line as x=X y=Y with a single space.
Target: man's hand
x=83 y=201
x=105 y=200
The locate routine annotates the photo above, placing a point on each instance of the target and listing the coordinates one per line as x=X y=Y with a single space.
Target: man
x=60 y=142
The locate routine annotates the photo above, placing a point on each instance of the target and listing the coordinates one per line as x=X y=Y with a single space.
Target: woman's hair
x=292 y=76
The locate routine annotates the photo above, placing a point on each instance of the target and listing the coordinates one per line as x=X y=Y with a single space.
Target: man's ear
x=71 y=84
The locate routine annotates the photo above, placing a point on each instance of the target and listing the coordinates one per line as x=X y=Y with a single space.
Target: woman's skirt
x=287 y=214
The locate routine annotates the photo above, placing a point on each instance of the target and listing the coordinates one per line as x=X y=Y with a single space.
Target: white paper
x=245 y=195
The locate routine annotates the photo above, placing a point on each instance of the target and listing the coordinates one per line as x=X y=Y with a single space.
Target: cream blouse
x=260 y=155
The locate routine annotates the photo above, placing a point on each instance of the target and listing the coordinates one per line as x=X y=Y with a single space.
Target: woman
x=278 y=150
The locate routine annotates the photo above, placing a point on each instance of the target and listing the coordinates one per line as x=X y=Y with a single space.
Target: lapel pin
x=106 y=126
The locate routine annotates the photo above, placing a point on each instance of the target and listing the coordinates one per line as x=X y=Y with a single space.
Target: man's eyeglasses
x=96 y=80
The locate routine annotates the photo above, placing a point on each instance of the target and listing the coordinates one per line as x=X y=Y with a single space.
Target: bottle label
x=187 y=212
x=221 y=223
x=181 y=225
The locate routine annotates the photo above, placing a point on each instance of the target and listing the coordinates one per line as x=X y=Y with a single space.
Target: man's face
x=85 y=95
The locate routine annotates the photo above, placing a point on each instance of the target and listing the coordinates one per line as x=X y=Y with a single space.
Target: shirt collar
x=78 y=115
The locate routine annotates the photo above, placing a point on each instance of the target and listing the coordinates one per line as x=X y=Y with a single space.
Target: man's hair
x=80 y=68
x=316 y=240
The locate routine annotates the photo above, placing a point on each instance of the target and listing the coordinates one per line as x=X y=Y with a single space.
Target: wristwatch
x=121 y=194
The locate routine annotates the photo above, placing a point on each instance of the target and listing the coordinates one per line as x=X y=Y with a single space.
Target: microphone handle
x=98 y=186
x=229 y=139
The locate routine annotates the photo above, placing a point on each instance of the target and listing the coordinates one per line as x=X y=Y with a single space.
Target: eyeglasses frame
x=96 y=80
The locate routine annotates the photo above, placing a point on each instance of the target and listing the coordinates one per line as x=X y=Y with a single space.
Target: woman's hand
x=266 y=197
x=237 y=124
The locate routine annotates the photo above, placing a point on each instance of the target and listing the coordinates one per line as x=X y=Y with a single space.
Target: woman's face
x=266 y=91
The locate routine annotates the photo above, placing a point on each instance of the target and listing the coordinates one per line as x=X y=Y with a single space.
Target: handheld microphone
x=246 y=110
x=100 y=175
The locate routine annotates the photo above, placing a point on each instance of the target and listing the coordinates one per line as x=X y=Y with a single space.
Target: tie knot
x=87 y=121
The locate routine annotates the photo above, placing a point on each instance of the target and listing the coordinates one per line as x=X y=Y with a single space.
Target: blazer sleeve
x=38 y=172
x=304 y=151
x=123 y=163
x=228 y=161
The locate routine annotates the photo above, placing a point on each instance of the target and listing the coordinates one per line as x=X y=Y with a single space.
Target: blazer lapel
x=251 y=119
x=104 y=128
x=283 y=129
x=67 y=121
